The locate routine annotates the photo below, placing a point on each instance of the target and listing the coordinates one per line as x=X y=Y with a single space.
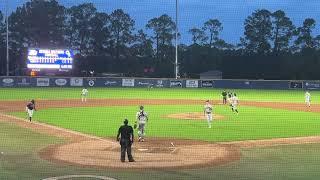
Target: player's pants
x=209 y=119
x=83 y=97
x=30 y=113
x=224 y=100
x=125 y=147
x=141 y=130
x=308 y=102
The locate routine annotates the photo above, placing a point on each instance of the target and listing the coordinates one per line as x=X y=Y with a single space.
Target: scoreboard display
x=50 y=59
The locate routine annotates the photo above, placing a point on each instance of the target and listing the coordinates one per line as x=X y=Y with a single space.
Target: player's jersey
x=84 y=91
x=30 y=106
x=142 y=117
x=307 y=96
x=208 y=108
x=224 y=94
x=234 y=100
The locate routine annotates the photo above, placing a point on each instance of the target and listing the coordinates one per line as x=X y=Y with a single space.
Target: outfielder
x=84 y=94
x=234 y=103
x=31 y=106
x=208 y=110
x=308 y=98
x=142 y=118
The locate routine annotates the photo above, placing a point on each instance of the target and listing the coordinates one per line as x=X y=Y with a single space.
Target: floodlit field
x=264 y=117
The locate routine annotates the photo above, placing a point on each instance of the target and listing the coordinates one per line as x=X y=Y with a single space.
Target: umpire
x=126 y=140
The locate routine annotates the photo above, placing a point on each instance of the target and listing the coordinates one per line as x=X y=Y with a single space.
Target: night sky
x=193 y=13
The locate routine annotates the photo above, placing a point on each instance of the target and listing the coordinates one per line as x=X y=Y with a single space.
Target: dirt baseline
x=90 y=151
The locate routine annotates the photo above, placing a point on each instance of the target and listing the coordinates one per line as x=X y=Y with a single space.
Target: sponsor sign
x=91 y=82
x=295 y=85
x=110 y=82
x=43 y=82
x=128 y=82
x=76 y=82
x=159 y=83
x=312 y=85
x=175 y=83
x=24 y=82
x=207 y=83
x=61 y=82
x=192 y=83
x=7 y=82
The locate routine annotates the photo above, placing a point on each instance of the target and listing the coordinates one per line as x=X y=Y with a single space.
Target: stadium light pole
x=176 y=66
x=7 y=23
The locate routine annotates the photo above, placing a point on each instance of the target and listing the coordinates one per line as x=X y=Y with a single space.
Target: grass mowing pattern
x=155 y=93
x=251 y=123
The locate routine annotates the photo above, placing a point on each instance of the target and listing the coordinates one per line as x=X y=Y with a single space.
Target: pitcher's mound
x=193 y=116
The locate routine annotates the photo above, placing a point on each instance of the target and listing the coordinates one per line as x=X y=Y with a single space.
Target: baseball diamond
x=73 y=120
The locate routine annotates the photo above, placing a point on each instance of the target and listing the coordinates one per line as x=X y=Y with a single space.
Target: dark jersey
x=126 y=132
x=224 y=94
x=31 y=106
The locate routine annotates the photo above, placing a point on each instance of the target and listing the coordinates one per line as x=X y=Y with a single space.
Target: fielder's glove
x=135 y=126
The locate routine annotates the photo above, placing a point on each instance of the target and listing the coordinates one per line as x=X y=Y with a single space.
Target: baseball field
x=274 y=136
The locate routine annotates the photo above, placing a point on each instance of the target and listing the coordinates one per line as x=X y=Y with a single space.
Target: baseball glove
x=135 y=126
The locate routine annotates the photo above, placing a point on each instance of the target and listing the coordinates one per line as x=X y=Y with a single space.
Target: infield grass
x=155 y=93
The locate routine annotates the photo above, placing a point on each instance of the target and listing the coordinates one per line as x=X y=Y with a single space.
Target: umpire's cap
x=125 y=121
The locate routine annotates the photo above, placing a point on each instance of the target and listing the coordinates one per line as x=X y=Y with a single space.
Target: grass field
x=281 y=162
x=155 y=93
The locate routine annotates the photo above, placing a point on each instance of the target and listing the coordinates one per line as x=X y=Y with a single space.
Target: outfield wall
x=156 y=83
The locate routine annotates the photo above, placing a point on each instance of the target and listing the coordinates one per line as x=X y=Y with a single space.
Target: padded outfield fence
x=154 y=83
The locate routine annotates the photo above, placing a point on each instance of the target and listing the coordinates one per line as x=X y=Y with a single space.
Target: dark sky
x=193 y=13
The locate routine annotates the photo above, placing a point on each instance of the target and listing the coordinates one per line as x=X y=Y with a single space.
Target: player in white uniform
x=31 y=106
x=84 y=94
x=308 y=98
x=142 y=118
x=208 y=110
x=234 y=103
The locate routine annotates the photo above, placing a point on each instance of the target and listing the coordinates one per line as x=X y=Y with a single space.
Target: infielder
x=207 y=111
x=31 y=106
x=142 y=118
x=84 y=94
x=308 y=98
x=234 y=103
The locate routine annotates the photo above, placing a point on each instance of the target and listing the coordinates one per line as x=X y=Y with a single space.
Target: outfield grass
x=155 y=93
x=251 y=123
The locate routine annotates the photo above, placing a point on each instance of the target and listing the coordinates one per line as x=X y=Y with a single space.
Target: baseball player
x=142 y=118
x=84 y=94
x=234 y=103
x=31 y=106
x=207 y=111
x=307 y=96
x=224 y=96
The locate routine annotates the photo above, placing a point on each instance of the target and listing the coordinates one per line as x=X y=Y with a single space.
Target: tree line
x=271 y=47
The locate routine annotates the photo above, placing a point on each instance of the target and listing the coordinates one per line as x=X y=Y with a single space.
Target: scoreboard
x=58 y=59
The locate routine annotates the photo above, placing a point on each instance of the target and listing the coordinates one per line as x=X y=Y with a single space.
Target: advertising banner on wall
x=78 y=82
x=192 y=83
x=312 y=85
x=112 y=82
x=128 y=82
x=295 y=85
x=90 y=82
x=43 y=82
x=60 y=82
x=176 y=83
x=7 y=82
x=23 y=82
x=207 y=83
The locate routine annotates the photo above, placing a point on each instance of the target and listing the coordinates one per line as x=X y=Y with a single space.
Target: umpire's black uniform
x=126 y=140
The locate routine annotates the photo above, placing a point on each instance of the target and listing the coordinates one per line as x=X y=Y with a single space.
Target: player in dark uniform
x=31 y=106
x=126 y=140
x=224 y=96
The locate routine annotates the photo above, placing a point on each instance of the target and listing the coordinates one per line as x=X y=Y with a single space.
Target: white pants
x=30 y=112
x=209 y=118
x=308 y=102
